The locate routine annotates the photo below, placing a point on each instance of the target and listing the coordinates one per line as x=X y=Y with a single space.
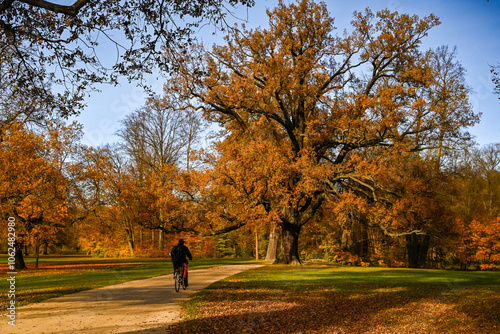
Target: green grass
x=69 y=274
x=284 y=299
x=329 y=299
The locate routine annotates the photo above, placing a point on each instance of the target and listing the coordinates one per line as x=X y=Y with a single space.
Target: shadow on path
x=147 y=306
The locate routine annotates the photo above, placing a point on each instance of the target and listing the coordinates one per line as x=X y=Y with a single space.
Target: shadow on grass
x=332 y=313
x=340 y=300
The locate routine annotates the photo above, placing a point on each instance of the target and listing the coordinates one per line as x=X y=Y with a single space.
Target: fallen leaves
x=234 y=306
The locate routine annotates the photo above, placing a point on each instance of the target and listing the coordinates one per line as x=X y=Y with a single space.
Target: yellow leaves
x=42 y=233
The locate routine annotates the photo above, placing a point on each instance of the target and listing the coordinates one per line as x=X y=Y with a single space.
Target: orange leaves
x=310 y=117
x=486 y=241
x=33 y=187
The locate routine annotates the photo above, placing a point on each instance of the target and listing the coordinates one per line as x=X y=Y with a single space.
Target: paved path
x=142 y=306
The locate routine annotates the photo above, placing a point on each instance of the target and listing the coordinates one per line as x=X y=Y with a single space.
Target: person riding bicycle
x=179 y=253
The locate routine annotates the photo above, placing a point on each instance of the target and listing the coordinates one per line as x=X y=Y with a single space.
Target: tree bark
x=161 y=240
x=417 y=246
x=130 y=241
x=37 y=253
x=19 y=259
x=71 y=10
x=272 y=247
x=289 y=250
x=256 y=246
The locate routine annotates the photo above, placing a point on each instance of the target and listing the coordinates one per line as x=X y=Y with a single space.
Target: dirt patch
x=143 y=306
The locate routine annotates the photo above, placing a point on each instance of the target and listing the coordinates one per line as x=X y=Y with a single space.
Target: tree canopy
x=313 y=117
x=51 y=52
x=350 y=146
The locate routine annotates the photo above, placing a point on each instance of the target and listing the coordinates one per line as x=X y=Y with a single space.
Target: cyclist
x=179 y=253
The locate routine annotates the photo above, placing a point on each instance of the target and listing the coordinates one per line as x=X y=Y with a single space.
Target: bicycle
x=180 y=280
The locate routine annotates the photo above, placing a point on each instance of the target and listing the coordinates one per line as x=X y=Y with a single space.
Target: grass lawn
x=333 y=299
x=57 y=276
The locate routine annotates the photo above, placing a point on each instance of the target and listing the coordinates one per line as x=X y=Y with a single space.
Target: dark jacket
x=183 y=254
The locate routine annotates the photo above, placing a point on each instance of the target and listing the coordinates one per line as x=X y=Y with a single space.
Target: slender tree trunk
x=256 y=245
x=272 y=247
x=161 y=240
x=439 y=151
x=37 y=253
x=161 y=235
x=188 y=153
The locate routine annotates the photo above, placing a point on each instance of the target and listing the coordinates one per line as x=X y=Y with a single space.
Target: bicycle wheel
x=181 y=278
x=178 y=280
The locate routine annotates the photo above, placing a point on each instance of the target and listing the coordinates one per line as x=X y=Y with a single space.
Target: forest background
x=290 y=141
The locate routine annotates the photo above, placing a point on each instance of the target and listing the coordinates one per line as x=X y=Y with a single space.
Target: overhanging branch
x=56 y=8
x=199 y=233
x=384 y=229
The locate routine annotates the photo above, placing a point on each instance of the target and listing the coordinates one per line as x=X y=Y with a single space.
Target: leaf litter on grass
x=238 y=305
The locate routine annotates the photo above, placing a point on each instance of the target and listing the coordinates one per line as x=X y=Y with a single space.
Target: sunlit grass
x=328 y=298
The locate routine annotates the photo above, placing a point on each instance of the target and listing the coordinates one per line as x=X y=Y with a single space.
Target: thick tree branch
x=60 y=9
x=195 y=232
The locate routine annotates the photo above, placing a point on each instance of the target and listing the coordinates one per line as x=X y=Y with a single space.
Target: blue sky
x=473 y=26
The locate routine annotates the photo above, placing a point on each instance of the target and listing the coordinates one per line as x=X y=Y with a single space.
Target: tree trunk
x=289 y=250
x=161 y=234
x=417 y=247
x=256 y=246
x=272 y=247
x=346 y=240
x=161 y=240
x=19 y=259
x=131 y=246
x=37 y=253
x=130 y=241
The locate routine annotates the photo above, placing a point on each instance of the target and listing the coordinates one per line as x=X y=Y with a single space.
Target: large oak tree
x=311 y=117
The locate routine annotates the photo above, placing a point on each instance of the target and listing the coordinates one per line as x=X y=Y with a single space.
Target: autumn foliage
x=311 y=118
x=349 y=147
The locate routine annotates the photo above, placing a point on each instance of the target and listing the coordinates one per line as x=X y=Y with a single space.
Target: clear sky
x=473 y=26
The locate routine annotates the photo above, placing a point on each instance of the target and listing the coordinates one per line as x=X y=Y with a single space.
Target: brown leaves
x=302 y=303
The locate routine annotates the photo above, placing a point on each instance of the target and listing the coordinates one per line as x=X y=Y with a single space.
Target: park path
x=143 y=306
